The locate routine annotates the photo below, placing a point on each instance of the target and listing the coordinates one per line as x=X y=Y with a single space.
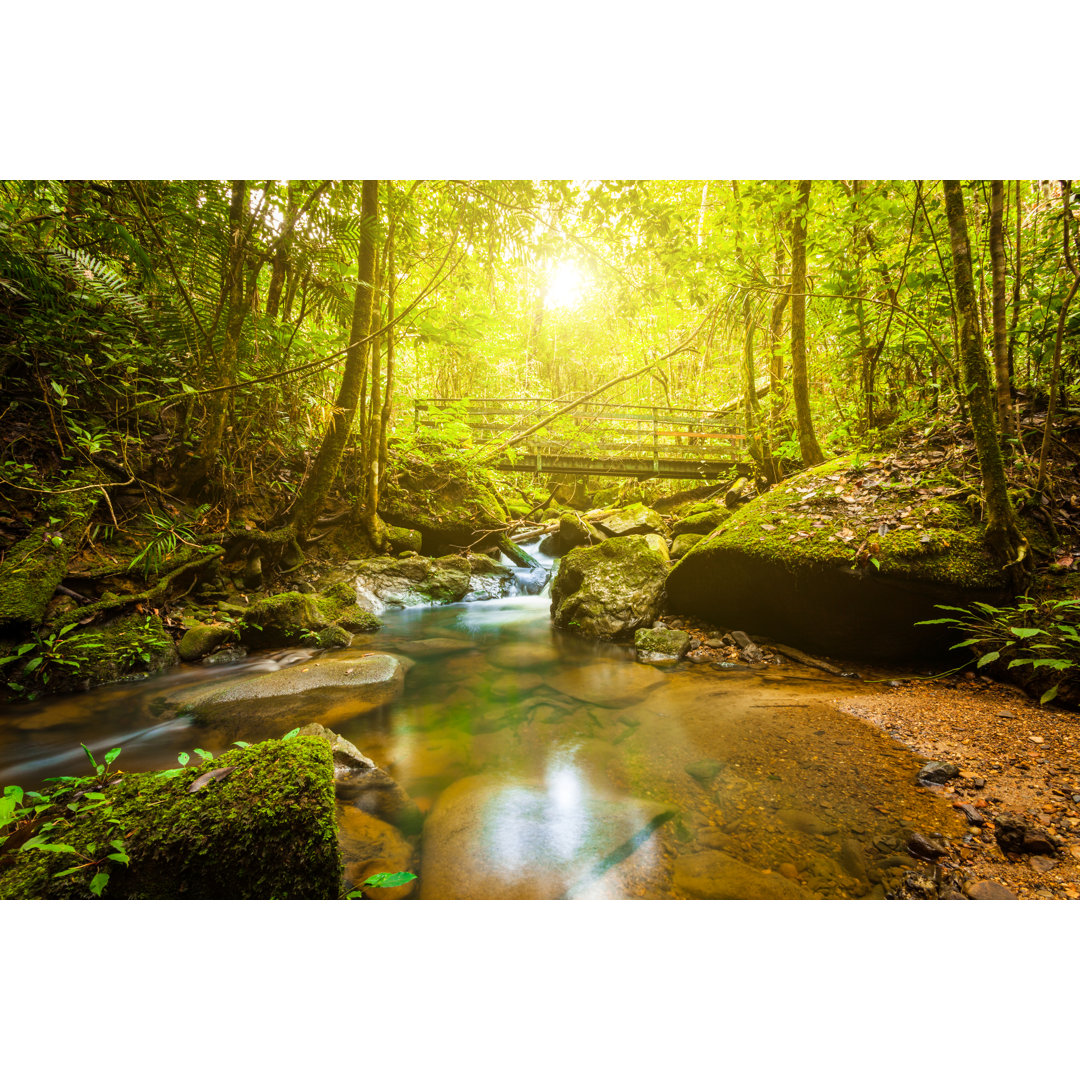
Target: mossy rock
x=701 y=523
x=683 y=543
x=35 y=566
x=124 y=650
x=436 y=493
x=804 y=566
x=400 y=539
x=612 y=589
x=265 y=831
x=288 y=618
x=201 y=639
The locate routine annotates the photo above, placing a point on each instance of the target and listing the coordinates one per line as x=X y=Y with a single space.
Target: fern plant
x=1041 y=635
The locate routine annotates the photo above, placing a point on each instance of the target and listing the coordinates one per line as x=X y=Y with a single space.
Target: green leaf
x=295 y=731
x=35 y=843
x=1049 y=695
x=112 y=755
x=183 y=757
x=388 y=881
x=12 y=791
x=35 y=663
x=241 y=743
x=93 y=763
x=1025 y=631
x=120 y=858
x=989 y=658
x=98 y=882
x=204 y=755
x=68 y=873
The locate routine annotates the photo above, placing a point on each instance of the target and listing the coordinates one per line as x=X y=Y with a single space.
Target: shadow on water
x=550 y=766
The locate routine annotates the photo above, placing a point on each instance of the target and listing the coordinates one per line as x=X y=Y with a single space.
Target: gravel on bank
x=1015 y=758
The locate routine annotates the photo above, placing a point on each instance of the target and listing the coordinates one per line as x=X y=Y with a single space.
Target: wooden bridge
x=595 y=438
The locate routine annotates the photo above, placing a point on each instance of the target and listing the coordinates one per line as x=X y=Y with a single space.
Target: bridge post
x=655 y=442
x=416 y=414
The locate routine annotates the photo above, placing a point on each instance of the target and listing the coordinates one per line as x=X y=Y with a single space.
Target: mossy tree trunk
x=1001 y=344
x=800 y=387
x=1002 y=528
x=326 y=464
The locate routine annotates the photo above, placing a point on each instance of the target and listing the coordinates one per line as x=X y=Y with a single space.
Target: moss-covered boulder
x=634 y=520
x=296 y=618
x=288 y=618
x=400 y=539
x=611 y=590
x=263 y=830
x=701 y=523
x=124 y=650
x=204 y=638
x=843 y=561
x=35 y=566
x=433 y=491
x=683 y=543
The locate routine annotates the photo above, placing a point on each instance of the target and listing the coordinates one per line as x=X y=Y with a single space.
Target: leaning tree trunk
x=333 y=446
x=1002 y=528
x=800 y=388
x=1001 y=341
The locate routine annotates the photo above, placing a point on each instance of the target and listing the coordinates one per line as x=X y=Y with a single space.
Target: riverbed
x=551 y=767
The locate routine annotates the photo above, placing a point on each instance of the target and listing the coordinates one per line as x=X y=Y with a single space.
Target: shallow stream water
x=573 y=770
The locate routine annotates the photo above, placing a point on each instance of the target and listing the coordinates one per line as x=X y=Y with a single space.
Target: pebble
x=1040 y=863
x=925 y=848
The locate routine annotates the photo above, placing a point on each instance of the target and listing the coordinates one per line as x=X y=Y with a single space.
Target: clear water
x=569 y=762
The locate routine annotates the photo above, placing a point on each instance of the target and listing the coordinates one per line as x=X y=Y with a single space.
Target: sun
x=566 y=286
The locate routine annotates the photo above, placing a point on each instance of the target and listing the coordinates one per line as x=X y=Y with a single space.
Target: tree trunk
x=800 y=388
x=1001 y=344
x=1002 y=528
x=333 y=446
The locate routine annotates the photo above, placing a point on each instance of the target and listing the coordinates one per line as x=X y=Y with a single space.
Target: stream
x=550 y=766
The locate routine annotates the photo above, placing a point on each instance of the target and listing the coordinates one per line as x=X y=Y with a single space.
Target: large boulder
x=498 y=837
x=611 y=590
x=633 y=520
x=385 y=582
x=839 y=562
x=488 y=579
x=433 y=491
x=264 y=829
x=324 y=690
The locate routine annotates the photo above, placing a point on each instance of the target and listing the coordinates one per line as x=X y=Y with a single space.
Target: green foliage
x=42 y=821
x=167 y=535
x=1042 y=635
x=381 y=881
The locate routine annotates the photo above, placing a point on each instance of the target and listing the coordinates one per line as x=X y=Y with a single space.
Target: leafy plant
x=381 y=881
x=1036 y=634
x=45 y=655
x=46 y=815
x=167 y=536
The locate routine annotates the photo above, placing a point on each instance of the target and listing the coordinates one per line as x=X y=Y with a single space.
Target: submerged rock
x=712 y=875
x=611 y=590
x=370 y=846
x=938 y=772
x=612 y=684
x=506 y=838
x=270 y=703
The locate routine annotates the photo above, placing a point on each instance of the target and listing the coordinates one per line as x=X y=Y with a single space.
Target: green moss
x=36 y=565
x=265 y=831
x=338 y=606
x=943 y=545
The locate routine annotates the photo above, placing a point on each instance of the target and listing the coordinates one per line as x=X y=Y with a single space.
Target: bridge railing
x=596 y=432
